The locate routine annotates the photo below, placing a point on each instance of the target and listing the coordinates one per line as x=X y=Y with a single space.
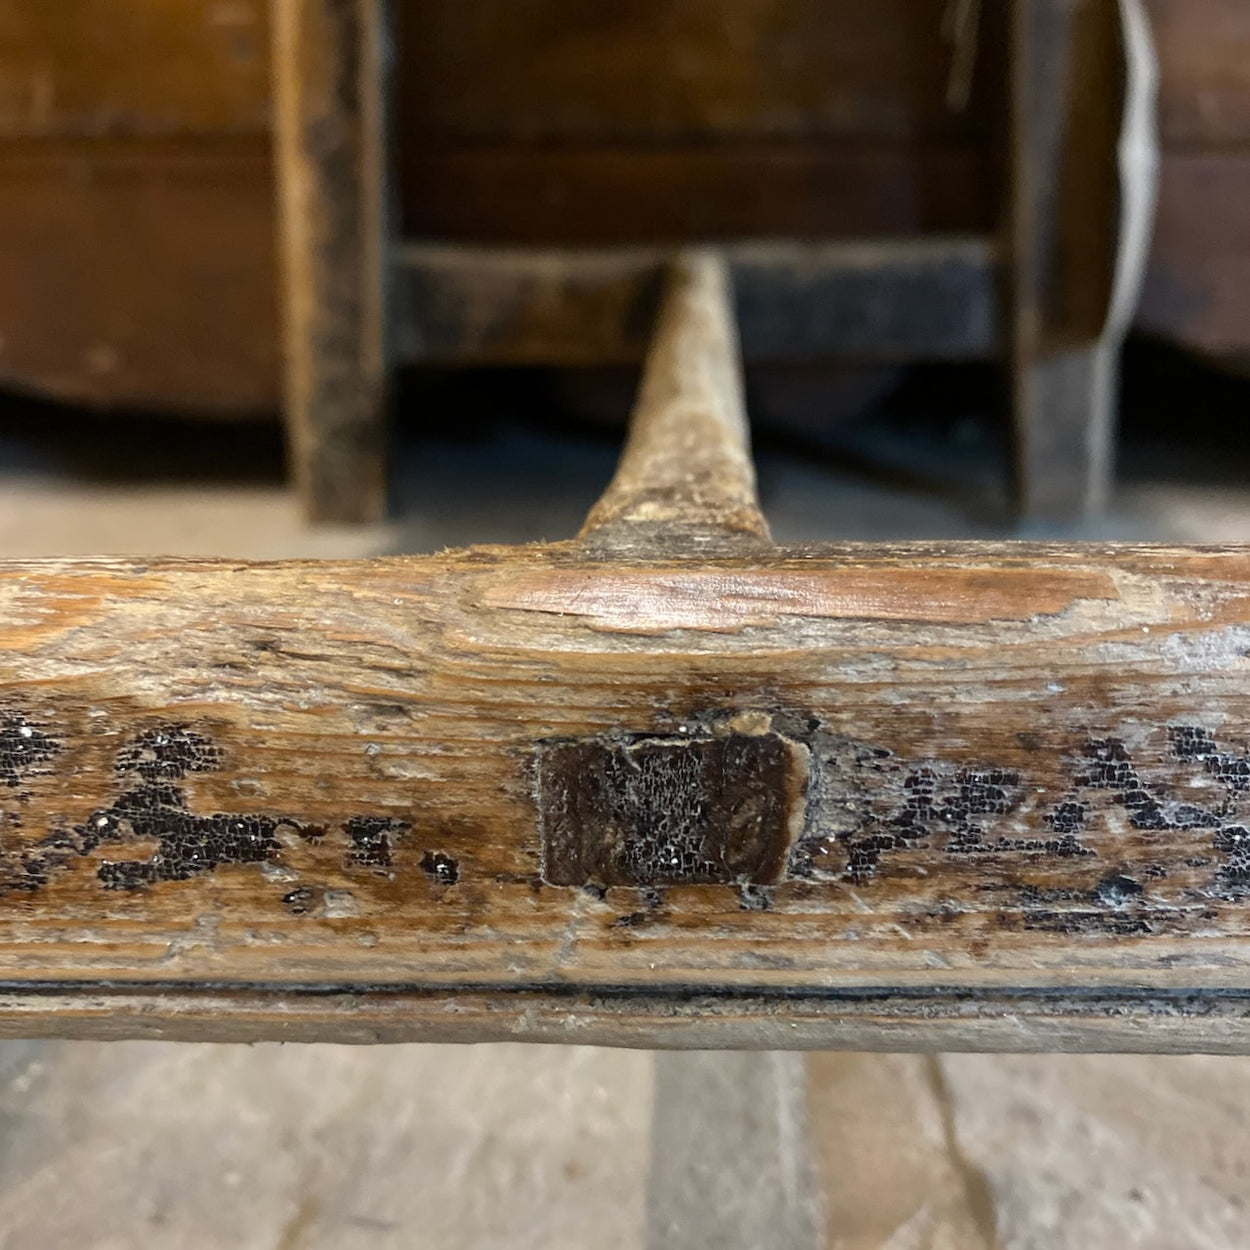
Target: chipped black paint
x=440 y=867
x=1190 y=743
x=754 y=898
x=1067 y=818
x=168 y=753
x=954 y=811
x=1111 y=768
x=1117 y=890
x=187 y=845
x=871 y=811
x=630 y=920
x=154 y=808
x=300 y=900
x=1233 y=877
x=1075 y=923
x=1150 y=810
x=25 y=747
x=371 y=839
x=1073 y=857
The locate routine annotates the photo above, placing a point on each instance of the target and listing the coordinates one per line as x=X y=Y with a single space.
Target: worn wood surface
x=309 y=799
x=332 y=193
x=686 y=474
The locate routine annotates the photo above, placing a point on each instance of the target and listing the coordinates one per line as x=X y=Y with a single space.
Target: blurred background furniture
x=139 y=229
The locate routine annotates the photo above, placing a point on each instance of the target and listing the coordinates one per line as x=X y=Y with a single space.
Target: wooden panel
x=587 y=195
x=1204 y=66
x=558 y=121
x=180 y=313
x=139 y=273
x=676 y=70
x=753 y=68
x=300 y=799
x=95 y=67
x=136 y=220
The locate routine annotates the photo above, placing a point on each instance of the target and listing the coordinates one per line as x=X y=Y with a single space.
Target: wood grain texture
x=556 y=123
x=300 y=800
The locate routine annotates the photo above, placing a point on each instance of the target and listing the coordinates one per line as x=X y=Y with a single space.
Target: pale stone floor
x=164 y=1145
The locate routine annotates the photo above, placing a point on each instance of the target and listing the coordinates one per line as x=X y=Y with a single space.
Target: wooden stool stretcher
x=665 y=785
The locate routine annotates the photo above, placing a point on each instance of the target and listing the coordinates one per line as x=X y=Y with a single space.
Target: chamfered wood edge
x=1089 y=1020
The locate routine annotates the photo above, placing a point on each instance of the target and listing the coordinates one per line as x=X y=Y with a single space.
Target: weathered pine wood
x=311 y=800
x=882 y=299
x=686 y=473
x=331 y=172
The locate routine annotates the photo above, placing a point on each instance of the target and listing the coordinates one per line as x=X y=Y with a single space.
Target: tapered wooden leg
x=1078 y=227
x=686 y=476
x=328 y=67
